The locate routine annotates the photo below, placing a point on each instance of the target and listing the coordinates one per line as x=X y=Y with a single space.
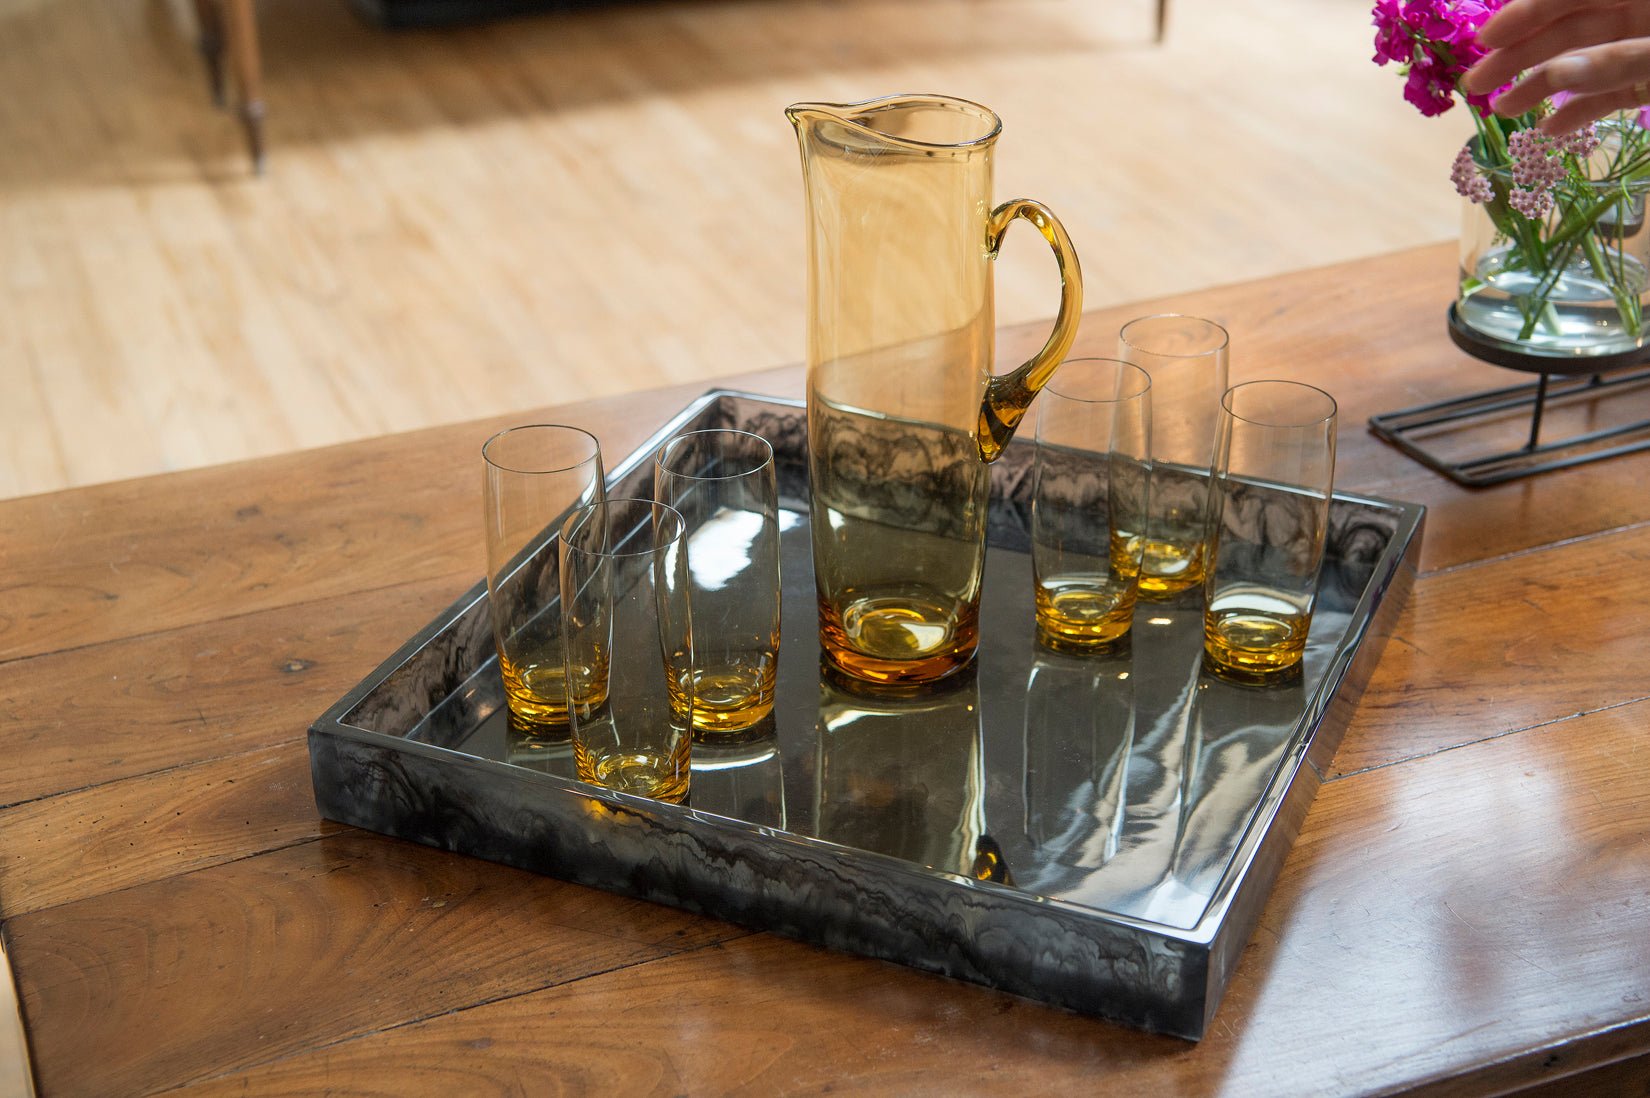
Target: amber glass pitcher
x=904 y=411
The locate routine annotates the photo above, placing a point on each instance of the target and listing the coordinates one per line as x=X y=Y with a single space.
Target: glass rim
x=1129 y=369
x=1220 y=344
x=1298 y=386
x=570 y=527
x=525 y=428
x=767 y=448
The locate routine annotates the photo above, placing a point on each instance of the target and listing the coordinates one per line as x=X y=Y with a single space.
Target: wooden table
x=1467 y=908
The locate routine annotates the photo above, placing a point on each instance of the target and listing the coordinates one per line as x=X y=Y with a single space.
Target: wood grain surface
x=319 y=942
x=1395 y=893
x=124 y=718
x=1563 y=636
x=1465 y=910
x=603 y=198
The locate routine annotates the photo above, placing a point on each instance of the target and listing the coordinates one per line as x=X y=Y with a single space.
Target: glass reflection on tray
x=1122 y=782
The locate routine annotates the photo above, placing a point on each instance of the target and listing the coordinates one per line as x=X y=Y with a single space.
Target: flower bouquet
x=1554 y=251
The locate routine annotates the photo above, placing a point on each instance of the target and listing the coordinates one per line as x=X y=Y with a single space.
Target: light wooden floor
x=465 y=222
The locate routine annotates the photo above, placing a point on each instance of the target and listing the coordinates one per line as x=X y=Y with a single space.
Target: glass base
x=1534 y=360
x=1576 y=317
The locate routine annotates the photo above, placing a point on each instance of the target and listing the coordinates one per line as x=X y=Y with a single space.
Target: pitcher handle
x=1009 y=395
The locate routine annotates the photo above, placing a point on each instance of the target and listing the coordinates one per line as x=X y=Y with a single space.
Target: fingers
x=1519 y=19
x=1572 y=72
x=1601 y=79
x=1582 y=109
x=1579 y=28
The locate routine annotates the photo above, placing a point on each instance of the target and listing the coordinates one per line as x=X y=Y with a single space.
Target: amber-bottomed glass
x=629 y=644
x=724 y=485
x=1090 y=482
x=535 y=476
x=1186 y=358
x=1269 y=513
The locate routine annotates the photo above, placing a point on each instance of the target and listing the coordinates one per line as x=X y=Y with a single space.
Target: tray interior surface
x=1124 y=784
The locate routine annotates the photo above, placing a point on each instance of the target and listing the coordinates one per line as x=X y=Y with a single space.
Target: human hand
x=1596 y=50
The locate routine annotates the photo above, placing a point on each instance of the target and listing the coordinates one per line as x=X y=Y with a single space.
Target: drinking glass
x=1186 y=358
x=1269 y=511
x=1090 y=489
x=724 y=485
x=629 y=646
x=535 y=475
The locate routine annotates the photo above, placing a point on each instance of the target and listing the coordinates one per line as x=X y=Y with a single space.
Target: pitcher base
x=899 y=639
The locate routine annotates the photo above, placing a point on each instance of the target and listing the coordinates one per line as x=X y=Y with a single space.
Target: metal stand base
x=1425 y=432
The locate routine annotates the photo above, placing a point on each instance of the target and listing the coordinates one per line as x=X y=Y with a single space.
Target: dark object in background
x=408 y=14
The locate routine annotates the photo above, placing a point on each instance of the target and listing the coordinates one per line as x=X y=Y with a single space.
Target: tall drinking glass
x=1186 y=358
x=535 y=475
x=1269 y=512
x=629 y=646
x=1090 y=489
x=724 y=485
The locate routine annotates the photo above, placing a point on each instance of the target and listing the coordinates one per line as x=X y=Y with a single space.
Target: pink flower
x=1535 y=159
x=1439 y=40
x=1430 y=18
x=1532 y=204
x=1430 y=90
x=1470 y=183
x=1582 y=143
x=1392 y=42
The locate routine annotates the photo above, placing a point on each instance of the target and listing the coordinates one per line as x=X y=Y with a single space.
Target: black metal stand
x=1562 y=382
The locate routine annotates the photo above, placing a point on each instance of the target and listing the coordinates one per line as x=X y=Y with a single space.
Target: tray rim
x=1306 y=759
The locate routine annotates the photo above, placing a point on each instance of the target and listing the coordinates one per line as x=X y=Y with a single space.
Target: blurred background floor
x=474 y=220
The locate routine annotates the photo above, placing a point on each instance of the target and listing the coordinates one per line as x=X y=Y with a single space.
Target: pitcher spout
x=805 y=116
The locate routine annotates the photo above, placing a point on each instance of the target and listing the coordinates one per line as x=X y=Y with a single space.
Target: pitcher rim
x=993 y=120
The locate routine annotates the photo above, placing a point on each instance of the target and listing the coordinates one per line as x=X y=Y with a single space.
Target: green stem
x=1534 y=305
x=1615 y=277
x=1579 y=220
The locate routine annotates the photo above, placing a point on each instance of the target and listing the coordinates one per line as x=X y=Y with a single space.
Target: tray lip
x=1201 y=934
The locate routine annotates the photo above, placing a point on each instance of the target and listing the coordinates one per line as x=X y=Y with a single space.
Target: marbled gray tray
x=1099 y=834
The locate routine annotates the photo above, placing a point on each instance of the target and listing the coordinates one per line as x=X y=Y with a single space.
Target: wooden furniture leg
x=211 y=44
x=1162 y=18
x=241 y=30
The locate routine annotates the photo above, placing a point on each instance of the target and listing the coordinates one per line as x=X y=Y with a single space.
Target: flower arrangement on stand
x=1555 y=254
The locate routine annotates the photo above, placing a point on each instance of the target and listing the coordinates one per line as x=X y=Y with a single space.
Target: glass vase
x=1569 y=285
